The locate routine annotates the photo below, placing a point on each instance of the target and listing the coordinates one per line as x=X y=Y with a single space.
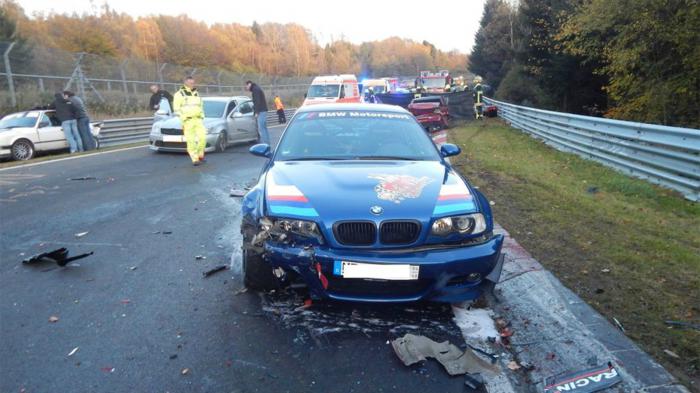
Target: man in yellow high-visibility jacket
x=188 y=106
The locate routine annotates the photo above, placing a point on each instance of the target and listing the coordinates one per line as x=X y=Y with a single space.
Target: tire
x=222 y=142
x=22 y=150
x=257 y=274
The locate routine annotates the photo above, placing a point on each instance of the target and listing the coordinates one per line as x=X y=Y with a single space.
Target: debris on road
x=412 y=349
x=474 y=383
x=513 y=365
x=200 y=257
x=671 y=354
x=242 y=290
x=585 y=381
x=619 y=325
x=59 y=256
x=81 y=234
x=71 y=353
x=107 y=369
x=53 y=319
x=133 y=268
x=185 y=371
x=83 y=178
x=237 y=192
x=163 y=232
x=215 y=270
x=173 y=356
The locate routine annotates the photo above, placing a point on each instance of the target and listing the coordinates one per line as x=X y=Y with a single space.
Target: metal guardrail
x=669 y=156
x=124 y=131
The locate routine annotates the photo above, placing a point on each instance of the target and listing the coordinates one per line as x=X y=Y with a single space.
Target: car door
x=241 y=123
x=50 y=133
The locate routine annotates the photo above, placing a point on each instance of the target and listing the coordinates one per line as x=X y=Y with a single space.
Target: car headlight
x=285 y=226
x=468 y=224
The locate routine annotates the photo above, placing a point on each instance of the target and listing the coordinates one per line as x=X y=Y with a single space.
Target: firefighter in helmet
x=478 y=98
x=188 y=106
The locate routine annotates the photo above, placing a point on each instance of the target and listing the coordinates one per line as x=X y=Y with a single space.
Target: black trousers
x=280 y=116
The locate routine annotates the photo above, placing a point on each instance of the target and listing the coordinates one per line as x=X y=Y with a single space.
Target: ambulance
x=333 y=88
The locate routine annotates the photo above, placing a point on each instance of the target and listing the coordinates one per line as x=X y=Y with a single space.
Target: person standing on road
x=260 y=110
x=82 y=119
x=280 y=110
x=189 y=107
x=157 y=96
x=65 y=112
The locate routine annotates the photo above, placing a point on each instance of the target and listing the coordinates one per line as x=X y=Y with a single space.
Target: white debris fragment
x=81 y=234
x=73 y=351
x=476 y=323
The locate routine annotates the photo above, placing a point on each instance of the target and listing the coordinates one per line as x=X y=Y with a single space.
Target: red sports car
x=431 y=112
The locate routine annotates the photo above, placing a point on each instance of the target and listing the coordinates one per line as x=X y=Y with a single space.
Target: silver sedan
x=228 y=120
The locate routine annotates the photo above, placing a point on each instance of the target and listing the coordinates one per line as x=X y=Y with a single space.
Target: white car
x=23 y=134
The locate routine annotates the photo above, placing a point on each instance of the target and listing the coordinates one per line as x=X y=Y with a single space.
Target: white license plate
x=349 y=269
x=173 y=138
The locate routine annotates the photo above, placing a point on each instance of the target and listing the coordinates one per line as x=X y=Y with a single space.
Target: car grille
x=399 y=232
x=171 y=145
x=171 y=131
x=356 y=233
x=365 y=287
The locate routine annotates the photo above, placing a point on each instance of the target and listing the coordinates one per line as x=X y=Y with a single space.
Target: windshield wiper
x=316 y=159
x=396 y=158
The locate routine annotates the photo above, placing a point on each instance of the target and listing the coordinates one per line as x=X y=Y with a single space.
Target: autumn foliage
x=269 y=48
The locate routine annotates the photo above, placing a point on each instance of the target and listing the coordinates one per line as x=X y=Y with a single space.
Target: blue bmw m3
x=359 y=204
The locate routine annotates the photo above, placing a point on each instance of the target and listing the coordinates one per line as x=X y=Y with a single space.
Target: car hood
x=348 y=190
x=175 y=123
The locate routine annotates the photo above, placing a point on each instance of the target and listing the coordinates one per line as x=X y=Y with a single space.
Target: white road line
x=72 y=158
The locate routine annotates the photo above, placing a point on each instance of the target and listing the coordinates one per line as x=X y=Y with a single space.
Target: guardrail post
x=123 y=74
x=109 y=85
x=8 y=72
x=160 y=74
x=41 y=85
x=218 y=81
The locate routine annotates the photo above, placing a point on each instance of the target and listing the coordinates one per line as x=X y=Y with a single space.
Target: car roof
x=352 y=107
x=236 y=98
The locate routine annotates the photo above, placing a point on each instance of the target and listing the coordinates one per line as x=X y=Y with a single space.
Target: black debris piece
x=59 y=256
x=474 y=383
x=596 y=379
x=491 y=356
x=592 y=190
x=215 y=270
x=163 y=232
x=84 y=178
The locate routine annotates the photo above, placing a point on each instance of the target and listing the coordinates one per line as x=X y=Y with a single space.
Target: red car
x=431 y=112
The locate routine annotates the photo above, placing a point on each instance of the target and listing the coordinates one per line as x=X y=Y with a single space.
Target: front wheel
x=257 y=274
x=222 y=142
x=22 y=150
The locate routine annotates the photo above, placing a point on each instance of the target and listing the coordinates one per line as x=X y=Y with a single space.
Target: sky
x=451 y=24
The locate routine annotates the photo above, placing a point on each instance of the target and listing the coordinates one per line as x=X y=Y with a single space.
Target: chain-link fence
x=32 y=74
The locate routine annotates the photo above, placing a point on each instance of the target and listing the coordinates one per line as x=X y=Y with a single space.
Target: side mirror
x=449 y=150
x=237 y=114
x=261 y=150
x=44 y=124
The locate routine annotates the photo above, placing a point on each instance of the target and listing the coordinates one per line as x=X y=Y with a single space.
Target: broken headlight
x=468 y=224
x=284 y=228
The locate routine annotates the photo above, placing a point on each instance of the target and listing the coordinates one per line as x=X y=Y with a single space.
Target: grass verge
x=629 y=248
x=53 y=156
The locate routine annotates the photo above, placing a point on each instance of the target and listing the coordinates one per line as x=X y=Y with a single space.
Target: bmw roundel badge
x=376 y=210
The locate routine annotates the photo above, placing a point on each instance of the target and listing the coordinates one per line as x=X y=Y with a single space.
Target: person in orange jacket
x=280 y=110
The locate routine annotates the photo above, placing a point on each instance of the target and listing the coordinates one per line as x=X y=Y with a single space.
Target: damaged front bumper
x=447 y=273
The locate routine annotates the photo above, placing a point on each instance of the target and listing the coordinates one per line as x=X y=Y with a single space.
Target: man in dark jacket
x=82 y=119
x=65 y=112
x=159 y=94
x=260 y=110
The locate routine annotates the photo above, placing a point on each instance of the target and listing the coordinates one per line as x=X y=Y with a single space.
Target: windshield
x=214 y=108
x=434 y=82
x=355 y=135
x=375 y=89
x=317 y=91
x=24 y=119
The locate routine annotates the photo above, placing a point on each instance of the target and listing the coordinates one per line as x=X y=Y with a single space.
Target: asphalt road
x=139 y=310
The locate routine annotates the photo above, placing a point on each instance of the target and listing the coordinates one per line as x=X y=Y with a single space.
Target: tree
x=494 y=49
x=649 y=52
